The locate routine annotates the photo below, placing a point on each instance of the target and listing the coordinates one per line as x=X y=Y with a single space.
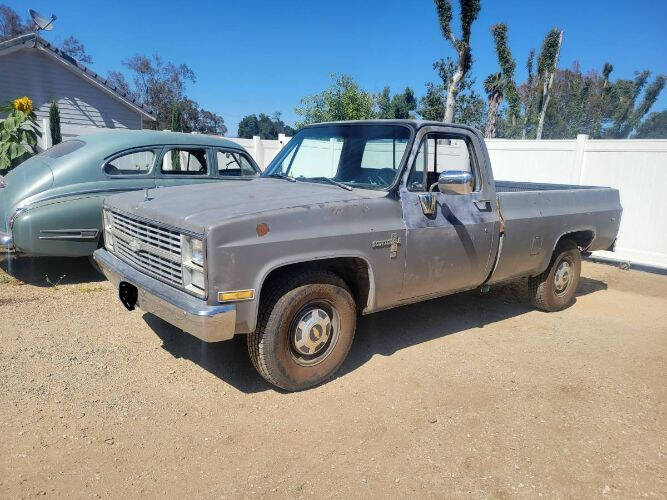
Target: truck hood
x=198 y=207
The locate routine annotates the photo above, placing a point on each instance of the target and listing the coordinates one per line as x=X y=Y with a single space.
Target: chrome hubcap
x=562 y=276
x=314 y=335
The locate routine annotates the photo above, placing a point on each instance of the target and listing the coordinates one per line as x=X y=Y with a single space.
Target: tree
x=469 y=12
x=210 y=123
x=11 y=24
x=400 y=106
x=158 y=85
x=509 y=91
x=546 y=67
x=494 y=87
x=54 y=123
x=176 y=118
x=626 y=92
x=529 y=93
x=342 y=100
x=265 y=126
x=117 y=80
x=76 y=50
x=653 y=127
x=469 y=106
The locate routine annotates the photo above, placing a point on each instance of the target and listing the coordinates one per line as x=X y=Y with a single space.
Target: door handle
x=483 y=204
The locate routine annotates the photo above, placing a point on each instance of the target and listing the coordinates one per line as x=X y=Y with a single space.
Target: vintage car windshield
x=366 y=156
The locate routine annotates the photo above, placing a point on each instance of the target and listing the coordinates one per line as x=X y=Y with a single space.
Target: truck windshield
x=366 y=156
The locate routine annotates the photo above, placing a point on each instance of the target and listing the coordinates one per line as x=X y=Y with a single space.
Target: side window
x=234 y=164
x=134 y=163
x=436 y=154
x=185 y=161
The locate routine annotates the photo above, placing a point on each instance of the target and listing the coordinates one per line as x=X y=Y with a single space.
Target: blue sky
x=252 y=57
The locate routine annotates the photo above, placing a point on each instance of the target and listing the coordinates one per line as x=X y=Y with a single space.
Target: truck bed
x=537 y=215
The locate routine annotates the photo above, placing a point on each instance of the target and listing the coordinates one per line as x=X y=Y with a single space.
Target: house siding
x=33 y=73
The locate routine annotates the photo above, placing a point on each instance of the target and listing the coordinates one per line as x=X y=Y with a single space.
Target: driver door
x=450 y=237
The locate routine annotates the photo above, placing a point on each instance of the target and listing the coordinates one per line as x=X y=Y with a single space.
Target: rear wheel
x=304 y=331
x=555 y=288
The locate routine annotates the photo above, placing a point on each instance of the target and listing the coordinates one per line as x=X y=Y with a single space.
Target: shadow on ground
x=382 y=333
x=49 y=271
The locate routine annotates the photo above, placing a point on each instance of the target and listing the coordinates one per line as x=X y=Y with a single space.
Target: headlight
x=194 y=258
x=108 y=225
x=197 y=252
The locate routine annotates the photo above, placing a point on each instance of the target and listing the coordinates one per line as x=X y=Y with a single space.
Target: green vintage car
x=51 y=204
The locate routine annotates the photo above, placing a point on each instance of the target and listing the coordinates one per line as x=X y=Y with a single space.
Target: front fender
x=247 y=312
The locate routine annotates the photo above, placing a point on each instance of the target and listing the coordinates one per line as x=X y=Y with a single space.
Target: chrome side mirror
x=456 y=182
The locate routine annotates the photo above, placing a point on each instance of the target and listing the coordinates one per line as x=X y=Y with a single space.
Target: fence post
x=46 y=134
x=579 y=154
x=258 y=150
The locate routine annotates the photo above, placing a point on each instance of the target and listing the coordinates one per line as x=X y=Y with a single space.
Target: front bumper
x=190 y=314
x=6 y=241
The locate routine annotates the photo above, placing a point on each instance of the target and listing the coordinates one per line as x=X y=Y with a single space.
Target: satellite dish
x=41 y=22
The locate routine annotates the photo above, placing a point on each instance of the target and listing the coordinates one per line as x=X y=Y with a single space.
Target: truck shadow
x=47 y=271
x=382 y=333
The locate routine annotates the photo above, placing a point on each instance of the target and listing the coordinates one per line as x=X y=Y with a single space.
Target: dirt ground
x=464 y=396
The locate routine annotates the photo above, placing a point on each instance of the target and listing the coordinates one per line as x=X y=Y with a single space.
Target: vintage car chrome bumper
x=6 y=241
x=190 y=314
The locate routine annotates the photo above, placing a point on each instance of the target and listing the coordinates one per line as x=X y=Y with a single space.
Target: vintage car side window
x=185 y=161
x=436 y=154
x=132 y=163
x=234 y=164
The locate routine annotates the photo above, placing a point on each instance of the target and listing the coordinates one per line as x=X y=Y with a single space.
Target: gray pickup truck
x=349 y=218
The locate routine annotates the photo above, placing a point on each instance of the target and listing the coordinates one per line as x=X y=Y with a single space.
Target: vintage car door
x=180 y=165
x=453 y=247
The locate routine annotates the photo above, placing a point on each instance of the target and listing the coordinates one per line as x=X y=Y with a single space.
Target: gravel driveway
x=460 y=396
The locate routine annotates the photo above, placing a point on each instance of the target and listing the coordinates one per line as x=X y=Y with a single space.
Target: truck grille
x=148 y=247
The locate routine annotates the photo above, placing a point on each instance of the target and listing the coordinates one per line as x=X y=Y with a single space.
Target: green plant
x=18 y=133
x=54 y=123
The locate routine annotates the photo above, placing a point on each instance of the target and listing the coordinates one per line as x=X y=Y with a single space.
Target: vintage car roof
x=125 y=139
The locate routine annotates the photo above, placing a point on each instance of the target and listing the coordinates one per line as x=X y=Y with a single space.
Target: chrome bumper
x=192 y=315
x=6 y=241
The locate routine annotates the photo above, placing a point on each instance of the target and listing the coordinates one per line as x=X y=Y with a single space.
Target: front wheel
x=554 y=289
x=304 y=331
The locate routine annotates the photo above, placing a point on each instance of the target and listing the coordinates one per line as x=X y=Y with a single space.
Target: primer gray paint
x=456 y=249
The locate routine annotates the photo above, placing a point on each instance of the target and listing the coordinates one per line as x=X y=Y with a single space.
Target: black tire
x=544 y=291
x=272 y=346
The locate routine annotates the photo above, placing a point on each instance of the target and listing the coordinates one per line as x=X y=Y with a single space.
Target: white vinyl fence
x=637 y=168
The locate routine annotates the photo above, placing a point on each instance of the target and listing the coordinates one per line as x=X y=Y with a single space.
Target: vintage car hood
x=201 y=206
x=29 y=178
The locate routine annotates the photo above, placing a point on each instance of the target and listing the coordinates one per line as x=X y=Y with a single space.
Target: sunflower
x=23 y=104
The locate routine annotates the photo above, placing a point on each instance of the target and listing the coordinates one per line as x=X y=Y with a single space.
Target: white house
x=30 y=66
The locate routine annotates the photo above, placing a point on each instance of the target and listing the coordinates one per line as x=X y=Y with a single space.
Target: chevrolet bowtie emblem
x=392 y=243
x=135 y=245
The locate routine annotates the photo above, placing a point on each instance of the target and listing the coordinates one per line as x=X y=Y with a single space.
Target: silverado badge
x=392 y=243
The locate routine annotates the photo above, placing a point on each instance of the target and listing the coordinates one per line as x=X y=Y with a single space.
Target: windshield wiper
x=331 y=181
x=282 y=176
